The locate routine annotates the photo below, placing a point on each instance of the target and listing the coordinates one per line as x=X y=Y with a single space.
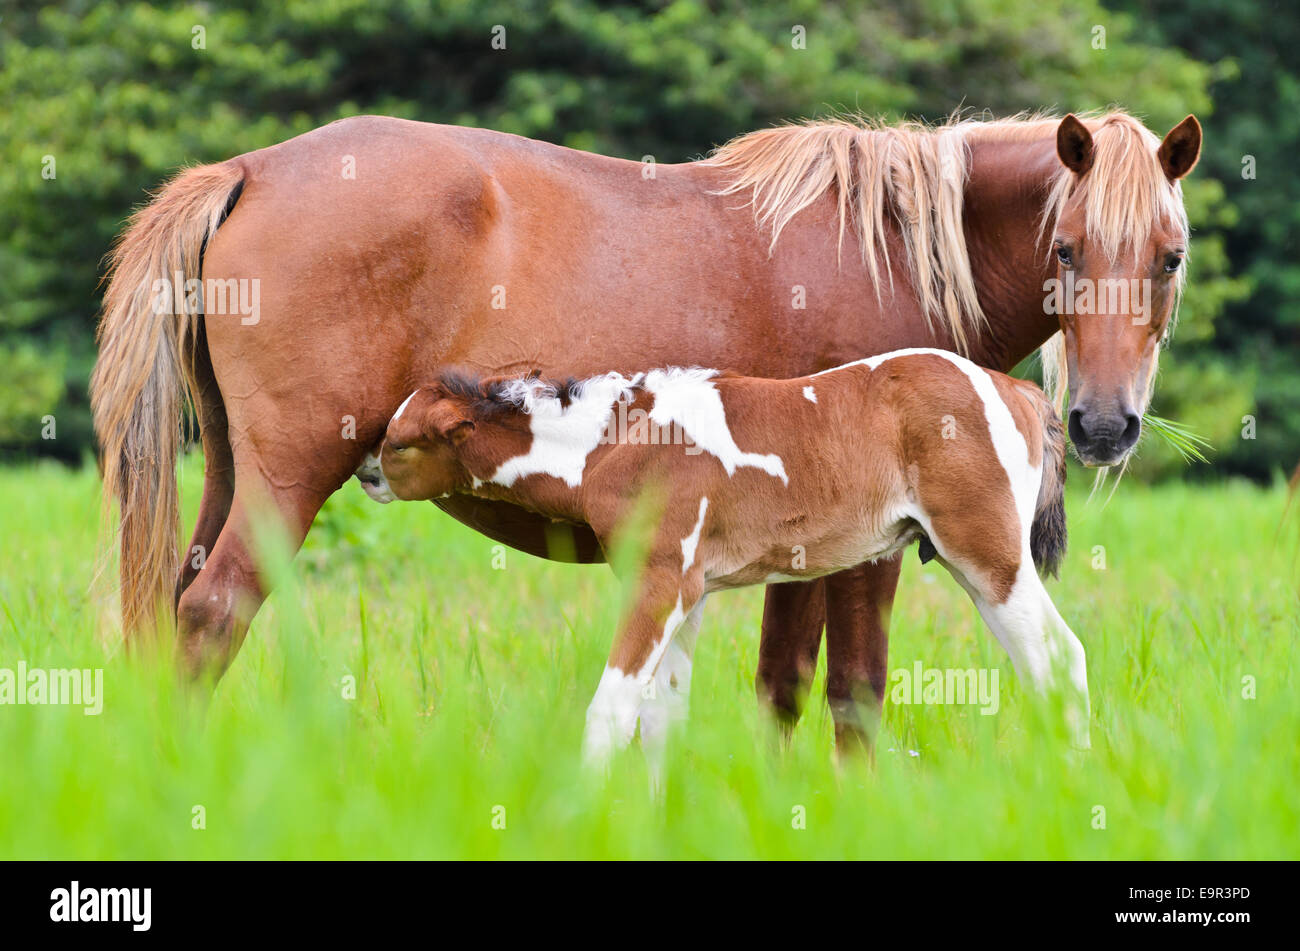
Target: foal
x=757 y=481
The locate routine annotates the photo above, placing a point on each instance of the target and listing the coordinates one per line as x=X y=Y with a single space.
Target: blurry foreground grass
x=471 y=684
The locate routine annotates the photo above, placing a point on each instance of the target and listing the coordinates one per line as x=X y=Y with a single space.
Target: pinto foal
x=757 y=481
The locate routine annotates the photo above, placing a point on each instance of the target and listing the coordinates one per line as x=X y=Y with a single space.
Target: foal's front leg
x=666 y=703
x=644 y=645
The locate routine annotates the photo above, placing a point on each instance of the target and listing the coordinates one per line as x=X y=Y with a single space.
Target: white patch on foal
x=401 y=409
x=563 y=436
x=810 y=394
x=692 y=541
x=689 y=398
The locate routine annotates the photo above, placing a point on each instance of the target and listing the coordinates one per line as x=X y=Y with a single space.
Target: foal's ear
x=446 y=419
x=1181 y=149
x=1074 y=145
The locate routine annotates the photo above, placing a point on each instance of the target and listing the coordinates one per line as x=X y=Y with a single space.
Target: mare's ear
x=446 y=419
x=1181 y=149
x=1074 y=145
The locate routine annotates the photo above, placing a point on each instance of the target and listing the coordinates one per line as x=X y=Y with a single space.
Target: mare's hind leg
x=218 y=477
x=214 y=612
x=280 y=485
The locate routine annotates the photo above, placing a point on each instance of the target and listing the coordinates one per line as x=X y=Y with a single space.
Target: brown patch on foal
x=961 y=468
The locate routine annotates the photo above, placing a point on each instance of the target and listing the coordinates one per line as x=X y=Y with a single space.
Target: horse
x=754 y=481
x=375 y=250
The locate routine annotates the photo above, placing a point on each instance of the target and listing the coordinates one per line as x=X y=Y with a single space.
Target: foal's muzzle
x=371 y=476
x=1103 y=437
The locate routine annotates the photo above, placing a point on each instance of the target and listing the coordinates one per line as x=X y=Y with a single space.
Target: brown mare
x=752 y=480
x=380 y=249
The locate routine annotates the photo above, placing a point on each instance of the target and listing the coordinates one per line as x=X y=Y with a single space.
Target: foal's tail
x=1047 y=535
x=146 y=366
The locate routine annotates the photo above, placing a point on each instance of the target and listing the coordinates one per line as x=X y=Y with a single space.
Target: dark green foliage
x=119 y=96
x=1251 y=145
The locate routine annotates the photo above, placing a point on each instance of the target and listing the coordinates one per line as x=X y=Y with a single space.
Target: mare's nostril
x=1132 y=429
x=1078 y=435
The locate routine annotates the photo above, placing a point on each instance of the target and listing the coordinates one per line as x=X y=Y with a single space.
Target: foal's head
x=444 y=429
x=418 y=458
x=1119 y=245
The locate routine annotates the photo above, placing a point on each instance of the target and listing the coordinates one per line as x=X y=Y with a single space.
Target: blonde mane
x=915 y=175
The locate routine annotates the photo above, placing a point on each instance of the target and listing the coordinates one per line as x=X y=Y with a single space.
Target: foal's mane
x=524 y=394
x=916 y=174
x=494 y=397
x=528 y=393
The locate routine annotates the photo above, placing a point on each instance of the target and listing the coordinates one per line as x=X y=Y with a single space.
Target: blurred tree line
x=105 y=98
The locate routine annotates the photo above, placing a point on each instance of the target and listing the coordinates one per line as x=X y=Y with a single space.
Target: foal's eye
x=1063 y=255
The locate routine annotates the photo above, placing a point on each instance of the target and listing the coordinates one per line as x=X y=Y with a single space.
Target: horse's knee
x=780 y=687
x=207 y=627
x=856 y=700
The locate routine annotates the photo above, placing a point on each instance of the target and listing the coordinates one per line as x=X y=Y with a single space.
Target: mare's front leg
x=667 y=605
x=858 y=604
x=793 y=615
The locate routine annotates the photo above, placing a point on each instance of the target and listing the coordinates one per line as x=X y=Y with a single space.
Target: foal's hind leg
x=1017 y=608
x=991 y=559
x=1045 y=652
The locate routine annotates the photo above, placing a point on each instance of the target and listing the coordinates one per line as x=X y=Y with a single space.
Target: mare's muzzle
x=1103 y=436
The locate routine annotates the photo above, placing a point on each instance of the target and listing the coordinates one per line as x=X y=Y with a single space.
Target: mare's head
x=1119 y=246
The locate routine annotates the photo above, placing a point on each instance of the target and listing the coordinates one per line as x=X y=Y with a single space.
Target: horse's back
x=411 y=170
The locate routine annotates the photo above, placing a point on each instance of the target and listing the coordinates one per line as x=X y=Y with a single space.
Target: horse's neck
x=1008 y=185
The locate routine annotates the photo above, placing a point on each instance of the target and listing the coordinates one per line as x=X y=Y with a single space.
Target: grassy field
x=472 y=681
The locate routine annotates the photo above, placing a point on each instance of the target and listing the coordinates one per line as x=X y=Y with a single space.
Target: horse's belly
x=814 y=558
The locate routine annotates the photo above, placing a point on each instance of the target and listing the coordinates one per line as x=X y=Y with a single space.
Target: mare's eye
x=397 y=448
x=1173 y=263
x=1063 y=255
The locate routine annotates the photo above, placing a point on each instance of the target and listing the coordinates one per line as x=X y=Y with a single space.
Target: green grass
x=472 y=684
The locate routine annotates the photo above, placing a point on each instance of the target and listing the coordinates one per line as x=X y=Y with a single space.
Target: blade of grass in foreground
x=1182 y=439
